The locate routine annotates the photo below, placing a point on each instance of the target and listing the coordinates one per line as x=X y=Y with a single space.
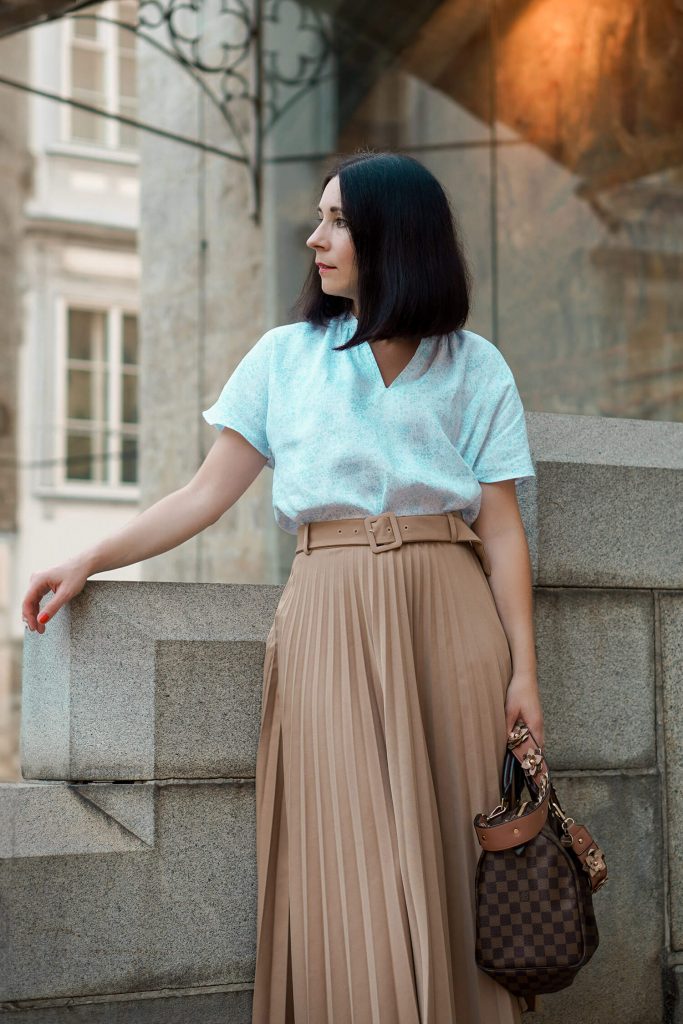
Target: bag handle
x=519 y=822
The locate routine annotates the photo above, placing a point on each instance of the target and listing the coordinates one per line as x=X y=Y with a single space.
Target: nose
x=313 y=241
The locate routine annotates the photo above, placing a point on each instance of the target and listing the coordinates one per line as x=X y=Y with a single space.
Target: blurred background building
x=69 y=196
x=139 y=264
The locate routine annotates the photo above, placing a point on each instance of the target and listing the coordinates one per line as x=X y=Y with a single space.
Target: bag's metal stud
x=532 y=760
x=518 y=734
x=595 y=861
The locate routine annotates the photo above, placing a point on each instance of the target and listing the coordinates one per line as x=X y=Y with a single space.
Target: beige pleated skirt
x=382 y=735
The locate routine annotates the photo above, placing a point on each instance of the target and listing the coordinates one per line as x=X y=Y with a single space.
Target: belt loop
x=452 y=527
x=306 y=548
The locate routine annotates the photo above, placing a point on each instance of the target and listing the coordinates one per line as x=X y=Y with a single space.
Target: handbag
x=535 y=879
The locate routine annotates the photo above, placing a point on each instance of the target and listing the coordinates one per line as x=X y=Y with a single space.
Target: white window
x=98 y=398
x=101 y=70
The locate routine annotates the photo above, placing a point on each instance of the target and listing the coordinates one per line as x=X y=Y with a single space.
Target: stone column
x=213 y=281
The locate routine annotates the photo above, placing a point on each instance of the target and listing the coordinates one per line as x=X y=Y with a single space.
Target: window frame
x=115 y=427
x=108 y=42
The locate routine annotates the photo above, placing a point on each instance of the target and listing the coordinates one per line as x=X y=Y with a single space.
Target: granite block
x=671 y=637
x=135 y=681
x=180 y=914
x=622 y=981
x=596 y=676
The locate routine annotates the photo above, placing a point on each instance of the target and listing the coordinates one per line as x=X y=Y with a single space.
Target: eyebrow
x=333 y=209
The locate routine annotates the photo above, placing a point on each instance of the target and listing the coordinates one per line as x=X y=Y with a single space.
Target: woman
x=402 y=648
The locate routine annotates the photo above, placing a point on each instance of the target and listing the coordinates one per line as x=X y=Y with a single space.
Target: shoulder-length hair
x=413 y=278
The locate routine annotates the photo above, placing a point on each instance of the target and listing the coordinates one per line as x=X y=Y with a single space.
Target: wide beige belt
x=387 y=531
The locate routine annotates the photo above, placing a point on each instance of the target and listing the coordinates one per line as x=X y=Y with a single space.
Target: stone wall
x=128 y=877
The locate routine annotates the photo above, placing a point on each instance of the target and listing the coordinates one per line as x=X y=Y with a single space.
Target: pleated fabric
x=382 y=735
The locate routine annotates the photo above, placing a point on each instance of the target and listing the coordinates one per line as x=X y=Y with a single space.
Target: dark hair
x=413 y=277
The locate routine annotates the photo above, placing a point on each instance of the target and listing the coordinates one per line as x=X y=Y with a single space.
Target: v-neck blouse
x=341 y=443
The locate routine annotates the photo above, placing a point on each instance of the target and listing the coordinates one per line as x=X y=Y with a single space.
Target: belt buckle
x=369 y=523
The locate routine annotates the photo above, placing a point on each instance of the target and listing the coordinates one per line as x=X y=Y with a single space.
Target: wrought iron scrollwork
x=222 y=45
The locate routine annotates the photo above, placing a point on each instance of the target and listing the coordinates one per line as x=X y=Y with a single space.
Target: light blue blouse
x=340 y=443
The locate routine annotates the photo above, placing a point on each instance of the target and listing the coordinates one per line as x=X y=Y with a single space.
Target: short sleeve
x=499 y=445
x=243 y=402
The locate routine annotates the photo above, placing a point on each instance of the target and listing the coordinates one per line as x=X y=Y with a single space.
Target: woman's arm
x=229 y=468
x=499 y=525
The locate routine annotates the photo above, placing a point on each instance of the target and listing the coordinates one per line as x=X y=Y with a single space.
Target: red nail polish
x=43 y=617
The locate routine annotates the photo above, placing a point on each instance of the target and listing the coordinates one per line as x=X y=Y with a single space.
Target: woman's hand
x=522 y=700
x=65 y=581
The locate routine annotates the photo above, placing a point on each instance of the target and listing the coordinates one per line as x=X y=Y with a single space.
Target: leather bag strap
x=507 y=834
x=513 y=831
x=519 y=824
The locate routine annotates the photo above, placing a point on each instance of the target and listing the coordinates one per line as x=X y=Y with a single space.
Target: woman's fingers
x=33 y=615
x=511 y=717
x=529 y=713
x=49 y=611
x=536 y=727
x=30 y=608
x=65 y=581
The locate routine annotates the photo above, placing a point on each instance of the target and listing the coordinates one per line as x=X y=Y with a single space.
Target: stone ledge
x=606 y=440
x=136 y=680
x=593 y=646
x=586 y=518
x=215 y=1005
x=175 y=915
x=47 y=819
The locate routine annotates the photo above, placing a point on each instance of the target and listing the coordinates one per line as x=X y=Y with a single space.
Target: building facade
x=70 y=314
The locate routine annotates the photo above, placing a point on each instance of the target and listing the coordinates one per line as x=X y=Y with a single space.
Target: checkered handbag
x=535 y=879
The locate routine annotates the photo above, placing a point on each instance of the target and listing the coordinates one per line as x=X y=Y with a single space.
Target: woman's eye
x=339 y=220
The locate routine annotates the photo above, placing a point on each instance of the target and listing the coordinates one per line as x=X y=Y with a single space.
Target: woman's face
x=333 y=247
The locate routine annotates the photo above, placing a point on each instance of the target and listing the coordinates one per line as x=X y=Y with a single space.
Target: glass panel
x=80 y=395
x=87 y=71
x=87 y=396
x=80 y=328
x=84 y=28
x=130 y=339
x=129 y=460
x=85 y=126
x=126 y=42
x=129 y=397
x=127 y=10
x=79 y=465
x=127 y=83
x=128 y=135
